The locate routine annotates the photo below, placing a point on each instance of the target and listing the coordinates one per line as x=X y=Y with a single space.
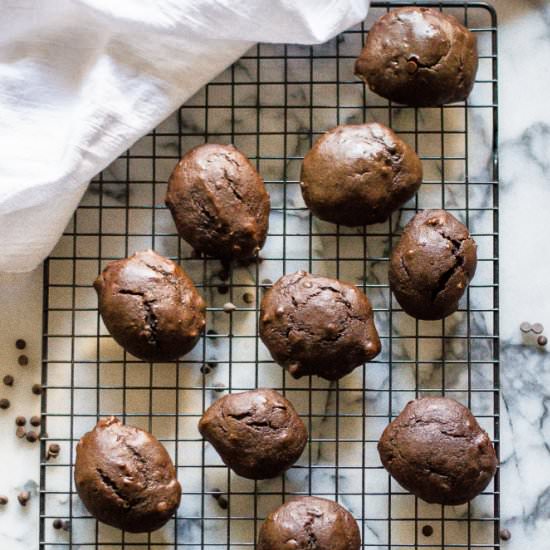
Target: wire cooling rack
x=272 y=104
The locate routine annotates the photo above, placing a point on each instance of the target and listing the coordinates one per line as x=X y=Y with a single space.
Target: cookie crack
x=110 y=483
x=444 y=278
x=150 y=318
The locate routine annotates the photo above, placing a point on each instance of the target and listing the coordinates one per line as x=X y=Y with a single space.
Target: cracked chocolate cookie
x=358 y=174
x=432 y=264
x=257 y=433
x=317 y=325
x=219 y=202
x=436 y=450
x=125 y=477
x=310 y=523
x=419 y=57
x=150 y=306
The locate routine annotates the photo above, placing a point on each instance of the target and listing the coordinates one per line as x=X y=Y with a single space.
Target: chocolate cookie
x=150 y=306
x=432 y=265
x=359 y=174
x=317 y=325
x=419 y=57
x=309 y=523
x=219 y=202
x=257 y=433
x=125 y=477
x=436 y=450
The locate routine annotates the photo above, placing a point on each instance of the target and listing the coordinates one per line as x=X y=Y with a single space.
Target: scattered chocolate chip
x=52 y=451
x=20 y=343
x=23 y=360
x=66 y=525
x=427 y=530
x=23 y=497
x=228 y=307
x=542 y=340
x=505 y=534
x=8 y=380
x=37 y=389
x=3 y=500
x=223 y=503
x=267 y=282
x=4 y=403
x=248 y=298
x=224 y=275
x=211 y=332
x=20 y=421
x=216 y=493
x=223 y=289
x=35 y=421
x=57 y=524
x=31 y=436
x=20 y=432
x=219 y=388
x=205 y=369
x=525 y=327
x=537 y=328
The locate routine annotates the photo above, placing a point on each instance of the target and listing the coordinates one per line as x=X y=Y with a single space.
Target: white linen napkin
x=82 y=80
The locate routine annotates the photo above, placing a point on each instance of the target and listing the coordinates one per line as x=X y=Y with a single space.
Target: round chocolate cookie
x=150 y=306
x=219 y=202
x=317 y=325
x=436 y=450
x=309 y=523
x=125 y=477
x=257 y=433
x=419 y=57
x=432 y=265
x=359 y=174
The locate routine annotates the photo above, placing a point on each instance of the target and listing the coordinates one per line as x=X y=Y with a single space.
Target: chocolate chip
x=23 y=497
x=4 y=403
x=223 y=289
x=205 y=369
x=223 y=502
x=35 y=421
x=20 y=432
x=267 y=282
x=216 y=493
x=52 y=451
x=3 y=500
x=20 y=421
x=8 y=380
x=228 y=307
x=427 y=530
x=23 y=360
x=32 y=436
x=537 y=328
x=37 y=389
x=542 y=340
x=505 y=534
x=66 y=525
x=248 y=298
x=224 y=275
x=211 y=332
x=218 y=387
x=57 y=524
x=20 y=343
x=525 y=327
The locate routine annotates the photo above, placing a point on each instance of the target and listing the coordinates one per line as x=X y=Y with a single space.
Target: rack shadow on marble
x=272 y=104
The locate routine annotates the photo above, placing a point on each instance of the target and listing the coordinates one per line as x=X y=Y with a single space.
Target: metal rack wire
x=272 y=104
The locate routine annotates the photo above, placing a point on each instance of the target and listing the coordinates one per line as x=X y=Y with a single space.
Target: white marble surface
x=525 y=481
